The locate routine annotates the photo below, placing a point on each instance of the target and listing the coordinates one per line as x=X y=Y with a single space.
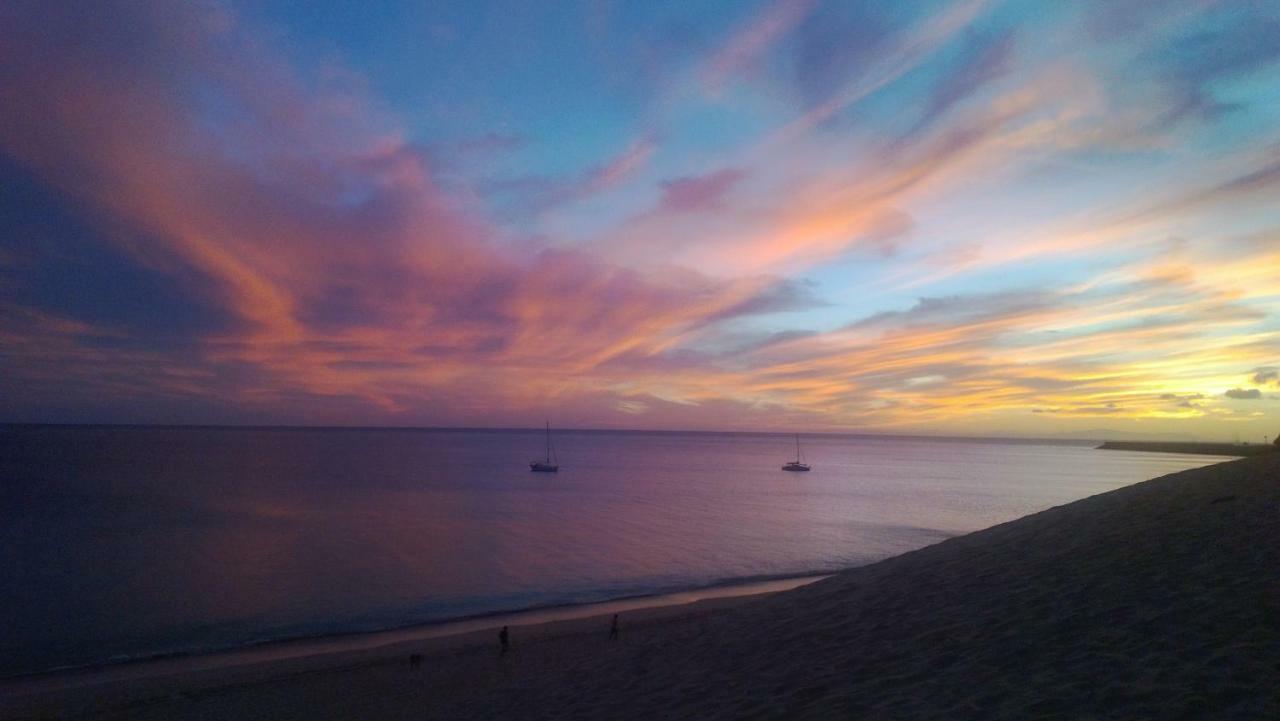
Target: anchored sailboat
x=550 y=464
x=798 y=464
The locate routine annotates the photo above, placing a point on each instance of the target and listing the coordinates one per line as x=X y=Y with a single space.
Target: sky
x=968 y=217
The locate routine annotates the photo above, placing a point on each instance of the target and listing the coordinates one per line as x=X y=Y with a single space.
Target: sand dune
x=1160 y=600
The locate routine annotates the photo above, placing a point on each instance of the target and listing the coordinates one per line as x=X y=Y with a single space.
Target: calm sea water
x=125 y=542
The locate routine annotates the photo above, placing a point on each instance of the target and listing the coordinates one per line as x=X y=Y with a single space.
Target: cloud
x=457 y=161
x=1183 y=401
x=199 y=228
x=814 y=211
x=620 y=167
x=336 y=270
x=957 y=310
x=985 y=59
x=701 y=193
x=531 y=194
x=837 y=44
x=1265 y=375
x=1224 y=44
x=1243 y=394
x=907 y=51
x=775 y=297
x=1255 y=182
x=752 y=40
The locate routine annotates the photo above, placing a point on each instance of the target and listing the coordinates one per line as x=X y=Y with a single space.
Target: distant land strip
x=1205 y=449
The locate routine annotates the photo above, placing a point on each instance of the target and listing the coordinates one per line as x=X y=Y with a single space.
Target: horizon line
x=332 y=427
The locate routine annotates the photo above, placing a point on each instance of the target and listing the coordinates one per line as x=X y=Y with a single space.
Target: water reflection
x=134 y=541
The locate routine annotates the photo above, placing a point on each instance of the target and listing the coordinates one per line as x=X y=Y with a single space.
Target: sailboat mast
x=548 y=441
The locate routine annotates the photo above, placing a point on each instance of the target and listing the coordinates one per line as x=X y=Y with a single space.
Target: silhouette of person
x=613 y=628
x=504 y=639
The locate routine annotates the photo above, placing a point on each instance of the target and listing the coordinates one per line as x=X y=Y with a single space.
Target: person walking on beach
x=613 y=628
x=504 y=640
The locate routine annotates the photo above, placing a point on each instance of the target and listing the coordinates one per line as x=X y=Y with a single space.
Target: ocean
x=119 y=543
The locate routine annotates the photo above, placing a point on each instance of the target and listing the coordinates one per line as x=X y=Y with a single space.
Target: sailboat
x=549 y=464
x=798 y=464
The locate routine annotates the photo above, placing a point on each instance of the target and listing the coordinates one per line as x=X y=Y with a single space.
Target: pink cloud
x=539 y=193
x=698 y=193
x=752 y=40
x=355 y=276
x=619 y=168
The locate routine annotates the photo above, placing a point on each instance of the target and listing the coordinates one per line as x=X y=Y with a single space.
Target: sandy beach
x=1158 y=600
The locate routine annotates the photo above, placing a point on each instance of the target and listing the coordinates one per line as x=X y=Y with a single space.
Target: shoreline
x=343 y=644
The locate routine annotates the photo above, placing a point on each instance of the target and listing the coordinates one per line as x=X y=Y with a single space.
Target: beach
x=1156 y=600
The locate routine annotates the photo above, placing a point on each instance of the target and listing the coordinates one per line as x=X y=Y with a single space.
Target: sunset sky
x=1014 y=218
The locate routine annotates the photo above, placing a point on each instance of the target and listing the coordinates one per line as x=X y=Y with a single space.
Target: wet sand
x=1158 y=600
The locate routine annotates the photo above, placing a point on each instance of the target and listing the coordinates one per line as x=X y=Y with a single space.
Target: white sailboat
x=549 y=464
x=798 y=464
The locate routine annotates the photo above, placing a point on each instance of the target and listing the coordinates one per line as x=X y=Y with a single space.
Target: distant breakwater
x=1205 y=449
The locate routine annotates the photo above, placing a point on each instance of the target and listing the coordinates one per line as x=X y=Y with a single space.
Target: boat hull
x=537 y=467
x=796 y=467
